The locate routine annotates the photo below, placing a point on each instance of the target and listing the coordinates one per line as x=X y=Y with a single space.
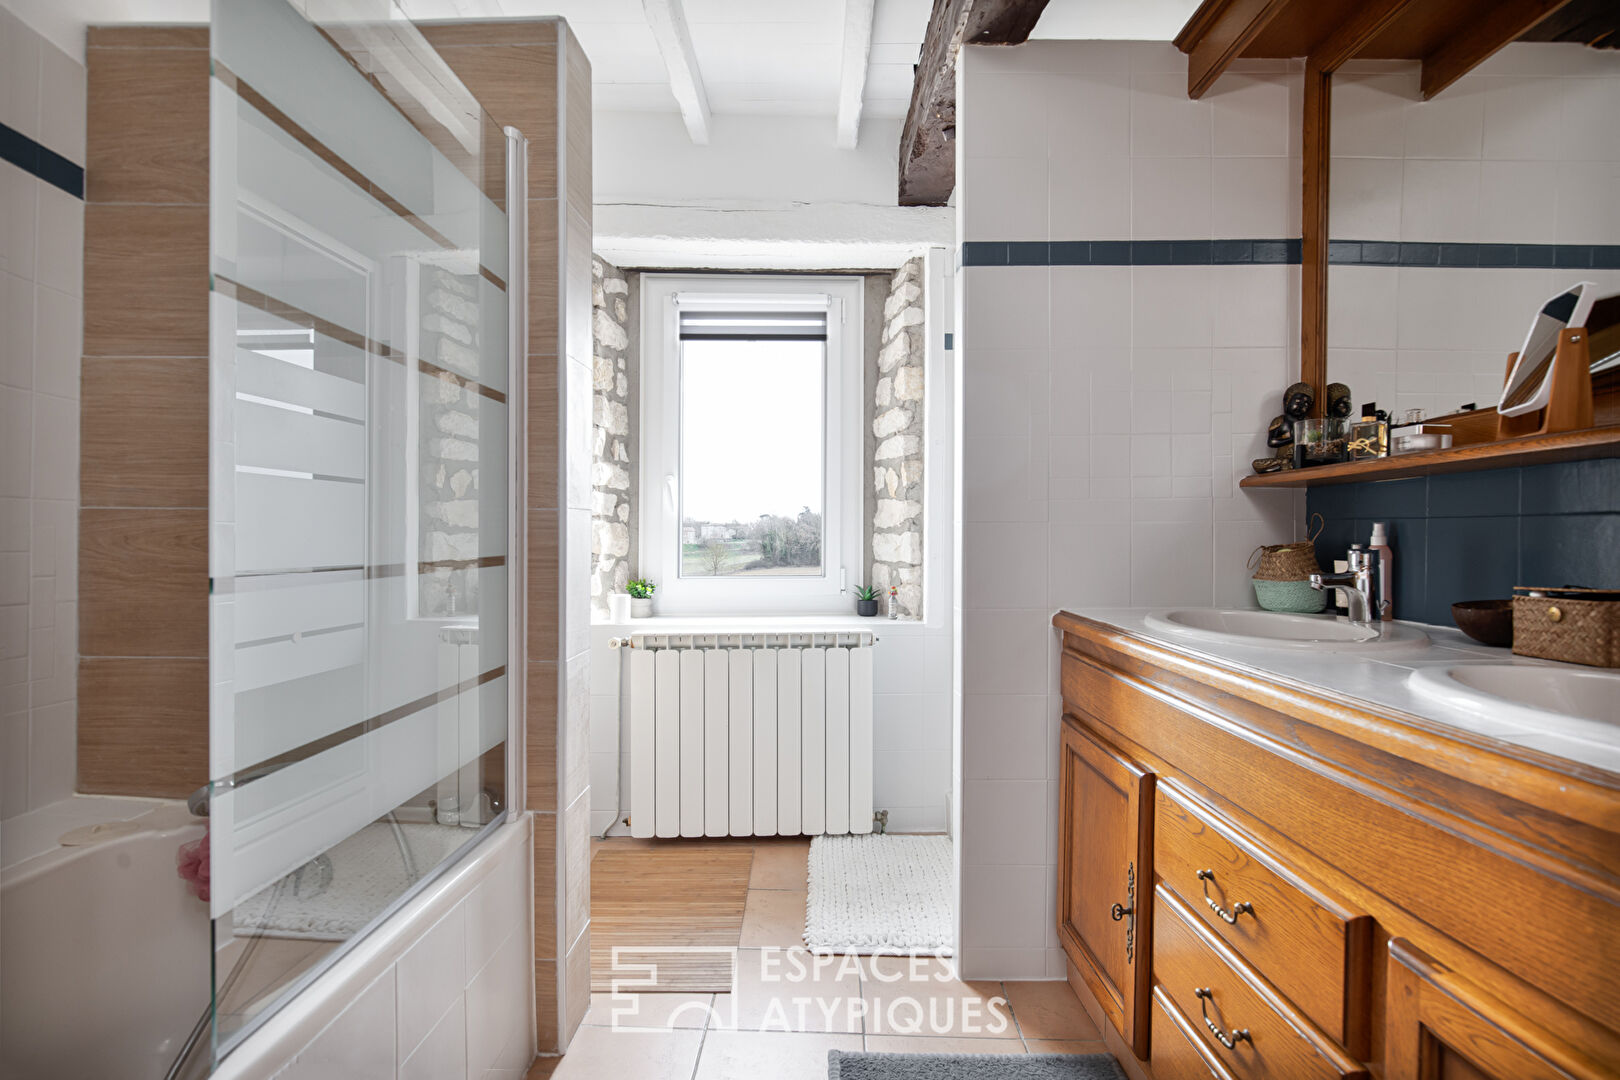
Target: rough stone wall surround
x=897 y=460
x=612 y=467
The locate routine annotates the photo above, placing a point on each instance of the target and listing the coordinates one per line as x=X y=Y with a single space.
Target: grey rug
x=863 y=1066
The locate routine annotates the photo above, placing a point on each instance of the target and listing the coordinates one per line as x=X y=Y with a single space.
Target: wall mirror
x=1452 y=221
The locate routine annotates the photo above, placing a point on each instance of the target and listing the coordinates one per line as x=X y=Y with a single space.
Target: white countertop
x=1381 y=681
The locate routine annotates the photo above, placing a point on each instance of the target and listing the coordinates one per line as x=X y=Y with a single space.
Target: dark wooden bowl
x=1489 y=622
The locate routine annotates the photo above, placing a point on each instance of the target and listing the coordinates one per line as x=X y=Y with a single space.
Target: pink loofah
x=192 y=862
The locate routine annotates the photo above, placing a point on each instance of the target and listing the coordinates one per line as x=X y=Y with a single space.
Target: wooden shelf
x=1535 y=450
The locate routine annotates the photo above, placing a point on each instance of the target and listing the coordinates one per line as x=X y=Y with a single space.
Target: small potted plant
x=641 y=592
x=866 y=600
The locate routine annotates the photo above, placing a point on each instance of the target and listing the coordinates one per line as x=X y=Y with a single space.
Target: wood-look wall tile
x=143 y=432
x=545 y=886
x=577 y=128
x=147 y=37
x=544 y=584
x=544 y=434
x=147 y=126
x=540 y=738
x=545 y=270
x=545 y=1007
x=143 y=726
x=490 y=32
x=517 y=85
x=145 y=280
x=143 y=583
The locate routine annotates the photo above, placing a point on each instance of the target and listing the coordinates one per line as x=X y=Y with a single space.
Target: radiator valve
x=880 y=822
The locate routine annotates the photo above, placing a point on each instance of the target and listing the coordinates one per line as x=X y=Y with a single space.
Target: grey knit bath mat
x=863 y=1066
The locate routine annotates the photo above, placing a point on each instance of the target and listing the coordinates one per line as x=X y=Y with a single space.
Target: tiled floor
x=790 y=1008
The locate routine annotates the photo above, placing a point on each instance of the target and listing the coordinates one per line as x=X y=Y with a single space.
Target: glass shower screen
x=360 y=484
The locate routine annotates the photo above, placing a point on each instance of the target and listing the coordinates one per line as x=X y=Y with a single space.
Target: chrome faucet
x=1357 y=585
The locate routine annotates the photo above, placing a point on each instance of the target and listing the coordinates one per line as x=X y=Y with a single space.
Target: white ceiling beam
x=852 y=78
x=668 y=23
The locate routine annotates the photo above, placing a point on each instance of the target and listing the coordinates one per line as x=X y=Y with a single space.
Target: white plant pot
x=619 y=607
x=640 y=608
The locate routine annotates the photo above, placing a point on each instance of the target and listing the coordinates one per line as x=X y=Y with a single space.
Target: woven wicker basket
x=1577 y=626
x=1288 y=562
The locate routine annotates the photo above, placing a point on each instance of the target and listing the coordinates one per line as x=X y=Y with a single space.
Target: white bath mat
x=334 y=895
x=879 y=894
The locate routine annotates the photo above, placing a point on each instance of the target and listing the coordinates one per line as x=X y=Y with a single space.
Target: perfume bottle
x=894 y=602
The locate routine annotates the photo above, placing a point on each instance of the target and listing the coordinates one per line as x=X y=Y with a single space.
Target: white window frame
x=843 y=446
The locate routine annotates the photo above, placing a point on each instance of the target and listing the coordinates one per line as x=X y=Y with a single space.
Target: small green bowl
x=1296 y=597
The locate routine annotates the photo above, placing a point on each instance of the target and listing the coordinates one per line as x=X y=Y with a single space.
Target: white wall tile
x=1450 y=125
x=1518 y=201
x=431 y=978
x=1249 y=115
x=1089 y=565
x=1587 y=129
x=1164 y=121
x=1440 y=200
x=358 y=1045
x=1254 y=197
x=1170 y=198
x=1005 y=651
x=1362 y=306
x=1521 y=118
x=58 y=342
x=1089 y=198
x=1014 y=108
x=1006 y=737
x=1009 y=198
x=16 y=442
x=1092 y=119
x=56 y=448
x=1004 y=307
x=61 y=103
x=59 y=261
x=1369 y=114
x=1171 y=306
x=17 y=343
x=1002 y=907
x=1088 y=312
x=19 y=220
x=20 y=50
x=1364 y=198
x=443 y=1053
x=498 y=1021
x=1008 y=824
x=1253 y=305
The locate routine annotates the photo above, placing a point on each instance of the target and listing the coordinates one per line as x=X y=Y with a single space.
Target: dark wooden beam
x=1217 y=34
x=928 y=141
x=1590 y=22
x=1355 y=33
x=1313 y=278
x=1496 y=24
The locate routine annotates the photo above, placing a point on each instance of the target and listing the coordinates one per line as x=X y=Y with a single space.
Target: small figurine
x=1280 y=432
x=1338 y=400
x=1297 y=401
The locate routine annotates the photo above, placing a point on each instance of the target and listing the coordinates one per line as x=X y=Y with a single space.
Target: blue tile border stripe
x=1128 y=252
x=41 y=161
x=1287 y=252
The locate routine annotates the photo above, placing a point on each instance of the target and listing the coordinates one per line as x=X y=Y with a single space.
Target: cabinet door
x=1438 y=1027
x=1105 y=876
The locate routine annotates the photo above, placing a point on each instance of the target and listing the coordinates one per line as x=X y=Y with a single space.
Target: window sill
x=762 y=624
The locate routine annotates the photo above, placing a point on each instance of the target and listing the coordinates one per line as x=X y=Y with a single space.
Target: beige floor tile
x=795 y=990
x=781 y=864
x=1049 y=1010
x=1065 y=1046
x=922 y=996
x=924 y=1044
x=770 y=1055
x=650 y=1010
x=773 y=919
x=598 y=1052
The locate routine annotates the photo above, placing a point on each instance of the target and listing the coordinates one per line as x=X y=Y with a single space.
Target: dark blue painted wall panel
x=1474 y=536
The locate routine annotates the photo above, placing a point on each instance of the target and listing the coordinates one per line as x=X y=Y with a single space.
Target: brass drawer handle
x=1245 y=908
x=1205 y=995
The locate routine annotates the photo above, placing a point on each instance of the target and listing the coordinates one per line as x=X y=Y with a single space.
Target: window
x=751 y=449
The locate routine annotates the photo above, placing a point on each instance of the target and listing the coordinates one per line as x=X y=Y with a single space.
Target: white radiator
x=750 y=734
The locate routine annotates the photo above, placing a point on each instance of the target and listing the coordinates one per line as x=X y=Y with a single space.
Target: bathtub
x=104 y=957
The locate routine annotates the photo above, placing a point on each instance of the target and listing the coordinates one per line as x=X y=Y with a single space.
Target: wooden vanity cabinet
x=1360 y=893
x=1105 y=848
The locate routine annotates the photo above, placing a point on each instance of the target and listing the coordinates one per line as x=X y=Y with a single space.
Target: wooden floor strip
x=667 y=897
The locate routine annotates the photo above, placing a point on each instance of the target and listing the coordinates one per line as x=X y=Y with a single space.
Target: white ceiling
x=771 y=57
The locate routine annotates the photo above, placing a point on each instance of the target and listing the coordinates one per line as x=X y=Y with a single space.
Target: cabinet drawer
x=1311 y=949
x=1217 y=991
x=1179 y=1052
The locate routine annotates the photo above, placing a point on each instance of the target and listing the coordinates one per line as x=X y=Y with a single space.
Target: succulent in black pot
x=866 y=600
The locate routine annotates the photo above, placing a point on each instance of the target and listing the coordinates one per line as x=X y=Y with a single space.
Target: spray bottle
x=1384 y=571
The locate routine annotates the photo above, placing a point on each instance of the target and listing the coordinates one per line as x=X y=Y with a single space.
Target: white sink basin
x=1275 y=630
x=1577 y=703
